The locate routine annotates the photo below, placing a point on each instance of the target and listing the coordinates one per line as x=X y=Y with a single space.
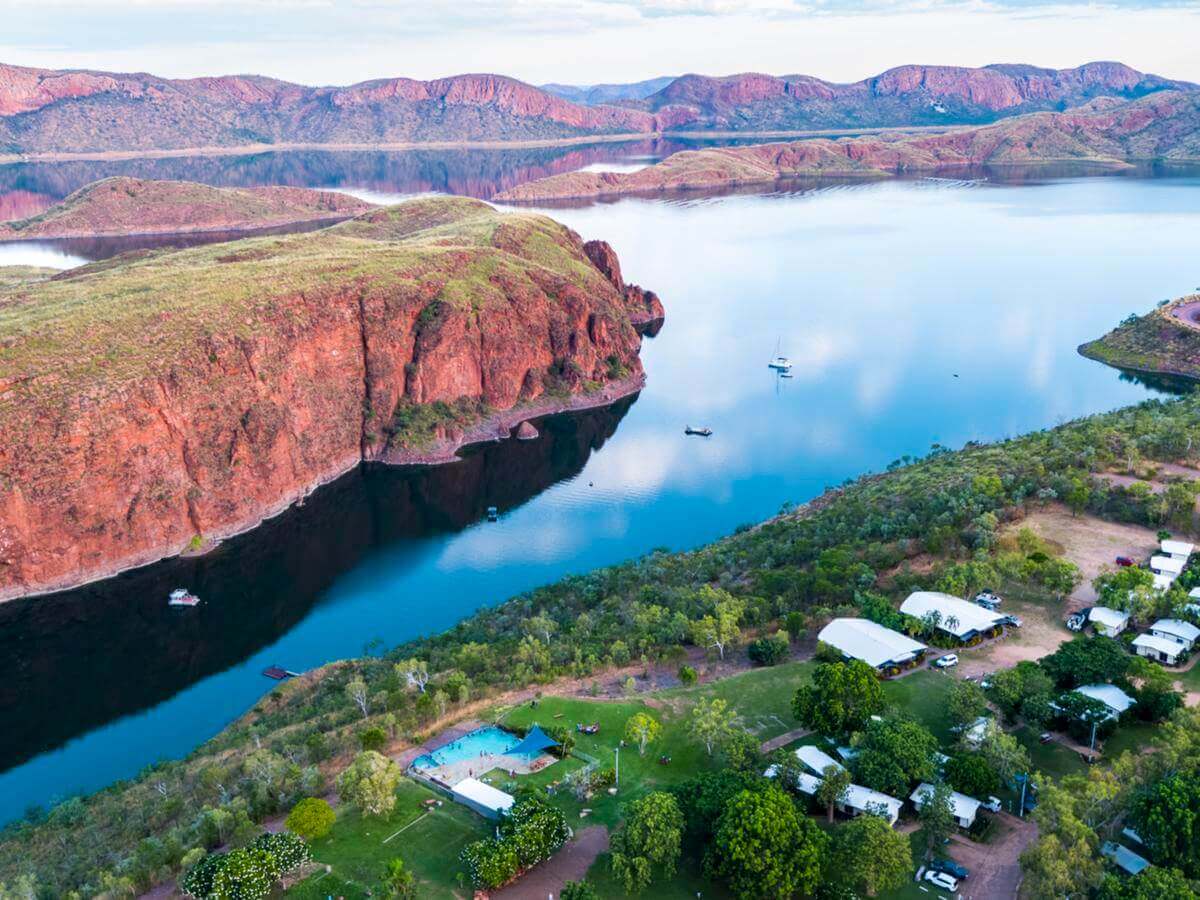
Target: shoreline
x=489 y=428
x=231 y=229
x=1083 y=351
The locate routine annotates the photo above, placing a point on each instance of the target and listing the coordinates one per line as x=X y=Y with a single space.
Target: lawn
x=429 y=845
x=762 y=697
x=1135 y=736
x=922 y=695
x=1051 y=759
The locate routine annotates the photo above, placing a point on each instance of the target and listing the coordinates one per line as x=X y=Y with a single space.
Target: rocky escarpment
x=127 y=206
x=1165 y=341
x=1163 y=126
x=154 y=402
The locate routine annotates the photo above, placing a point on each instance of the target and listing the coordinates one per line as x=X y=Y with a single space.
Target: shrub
x=687 y=675
x=769 y=651
x=248 y=874
x=198 y=882
x=289 y=850
x=374 y=738
x=311 y=818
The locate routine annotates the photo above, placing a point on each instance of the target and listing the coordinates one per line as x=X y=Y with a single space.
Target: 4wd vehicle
x=950 y=867
x=942 y=880
x=1124 y=561
x=950 y=659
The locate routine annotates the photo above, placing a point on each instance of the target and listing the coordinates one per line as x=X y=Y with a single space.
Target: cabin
x=805 y=783
x=489 y=802
x=964 y=808
x=1167 y=566
x=816 y=760
x=974 y=734
x=1180 y=550
x=955 y=616
x=1158 y=649
x=1108 y=622
x=1183 y=633
x=858 y=800
x=878 y=647
x=1124 y=858
x=1110 y=695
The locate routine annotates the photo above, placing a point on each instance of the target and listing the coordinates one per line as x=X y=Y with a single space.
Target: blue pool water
x=490 y=740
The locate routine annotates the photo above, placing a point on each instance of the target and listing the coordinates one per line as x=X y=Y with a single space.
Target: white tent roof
x=483 y=794
x=1109 y=618
x=1108 y=694
x=869 y=641
x=1158 y=644
x=1166 y=565
x=1178 y=628
x=1194 y=593
x=1177 y=548
x=861 y=798
x=970 y=616
x=964 y=807
x=816 y=759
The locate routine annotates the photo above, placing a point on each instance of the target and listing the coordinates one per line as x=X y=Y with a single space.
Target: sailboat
x=780 y=363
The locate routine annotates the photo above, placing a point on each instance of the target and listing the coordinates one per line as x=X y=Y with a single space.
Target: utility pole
x=617 y=767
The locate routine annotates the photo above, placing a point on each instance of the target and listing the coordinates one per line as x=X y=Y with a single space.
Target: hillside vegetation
x=1165 y=341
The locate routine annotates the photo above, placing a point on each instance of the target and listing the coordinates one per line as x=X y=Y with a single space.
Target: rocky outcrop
x=154 y=401
x=128 y=206
x=644 y=306
x=1112 y=133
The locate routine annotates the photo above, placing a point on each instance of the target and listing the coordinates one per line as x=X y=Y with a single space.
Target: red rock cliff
x=247 y=373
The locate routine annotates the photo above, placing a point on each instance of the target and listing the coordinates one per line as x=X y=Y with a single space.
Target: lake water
x=915 y=312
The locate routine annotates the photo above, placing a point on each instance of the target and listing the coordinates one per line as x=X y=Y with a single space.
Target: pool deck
x=441 y=739
x=451 y=774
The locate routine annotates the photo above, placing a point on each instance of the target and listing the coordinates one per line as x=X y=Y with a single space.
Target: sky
x=590 y=41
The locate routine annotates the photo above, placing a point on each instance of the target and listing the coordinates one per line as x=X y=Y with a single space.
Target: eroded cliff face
x=396 y=336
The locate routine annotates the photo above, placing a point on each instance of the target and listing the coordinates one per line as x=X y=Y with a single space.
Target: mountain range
x=51 y=112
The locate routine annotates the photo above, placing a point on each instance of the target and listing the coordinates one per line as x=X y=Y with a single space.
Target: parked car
x=1014 y=621
x=986 y=682
x=942 y=880
x=988 y=599
x=1045 y=737
x=1076 y=621
x=993 y=804
x=950 y=867
x=1124 y=561
x=950 y=659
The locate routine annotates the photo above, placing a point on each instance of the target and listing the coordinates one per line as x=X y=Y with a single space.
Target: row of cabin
x=882 y=648
x=858 y=799
x=1169 y=563
x=1165 y=642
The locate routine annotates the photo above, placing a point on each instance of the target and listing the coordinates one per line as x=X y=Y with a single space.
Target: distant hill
x=121 y=206
x=45 y=111
x=598 y=94
x=1106 y=131
x=908 y=95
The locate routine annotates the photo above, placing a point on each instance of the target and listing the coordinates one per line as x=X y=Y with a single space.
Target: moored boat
x=182 y=597
x=703 y=432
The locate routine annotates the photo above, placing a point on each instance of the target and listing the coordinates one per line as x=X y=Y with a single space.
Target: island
x=155 y=402
x=1105 y=132
x=121 y=206
x=1165 y=341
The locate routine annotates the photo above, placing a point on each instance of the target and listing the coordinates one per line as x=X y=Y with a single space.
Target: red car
x=1124 y=561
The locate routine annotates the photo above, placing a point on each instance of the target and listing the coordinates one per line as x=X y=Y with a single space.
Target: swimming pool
x=491 y=741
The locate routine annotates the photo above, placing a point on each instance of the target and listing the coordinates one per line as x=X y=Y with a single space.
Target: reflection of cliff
x=474 y=173
x=80 y=659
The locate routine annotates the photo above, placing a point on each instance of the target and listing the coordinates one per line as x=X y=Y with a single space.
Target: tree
x=841 y=698
x=970 y=774
x=642 y=729
x=374 y=738
x=936 y=815
x=835 y=780
x=1060 y=576
x=1003 y=753
x=763 y=848
x=894 y=753
x=770 y=650
x=1096 y=660
x=719 y=630
x=648 y=844
x=1054 y=868
x=965 y=702
x=711 y=722
x=704 y=797
x=247 y=874
x=541 y=626
x=356 y=690
x=869 y=856
x=288 y=850
x=415 y=673
x=578 y=890
x=1153 y=883
x=397 y=882
x=370 y=783
x=1167 y=816
x=1011 y=688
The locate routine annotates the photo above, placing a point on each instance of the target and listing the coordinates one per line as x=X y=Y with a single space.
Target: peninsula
x=1106 y=132
x=129 y=206
x=155 y=402
x=1165 y=341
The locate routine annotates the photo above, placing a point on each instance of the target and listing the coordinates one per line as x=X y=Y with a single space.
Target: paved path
x=784 y=739
x=571 y=863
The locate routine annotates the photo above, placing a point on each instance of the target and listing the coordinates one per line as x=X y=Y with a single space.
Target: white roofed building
x=486 y=800
x=1110 y=695
x=1183 y=633
x=875 y=645
x=1109 y=622
x=1166 y=565
x=859 y=800
x=1157 y=648
x=954 y=615
x=964 y=807
x=816 y=760
x=1180 y=550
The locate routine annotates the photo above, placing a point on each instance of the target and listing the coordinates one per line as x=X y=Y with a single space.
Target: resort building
x=875 y=645
x=955 y=616
x=1180 y=550
x=858 y=800
x=1110 y=695
x=816 y=760
x=1183 y=633
x=964 y=807
x=1124 y=858
x=1167 y=566
x=1159 y=649
x=486 y=800
x=1108 y=622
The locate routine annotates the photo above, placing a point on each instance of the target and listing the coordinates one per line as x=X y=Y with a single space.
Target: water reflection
x=120 y=638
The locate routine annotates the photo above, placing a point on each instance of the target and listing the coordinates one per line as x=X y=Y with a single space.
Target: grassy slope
x=10 y=276
x=114 y=322
x=1152 y=343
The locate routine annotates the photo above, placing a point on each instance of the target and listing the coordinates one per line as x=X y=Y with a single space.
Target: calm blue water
x=880 y=293
x=490 y=740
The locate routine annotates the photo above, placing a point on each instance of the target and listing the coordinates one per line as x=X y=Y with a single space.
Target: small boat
x=278 y=673
x=780 y=364
x=703 y=432
x=182 y=597
x=493 y=514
